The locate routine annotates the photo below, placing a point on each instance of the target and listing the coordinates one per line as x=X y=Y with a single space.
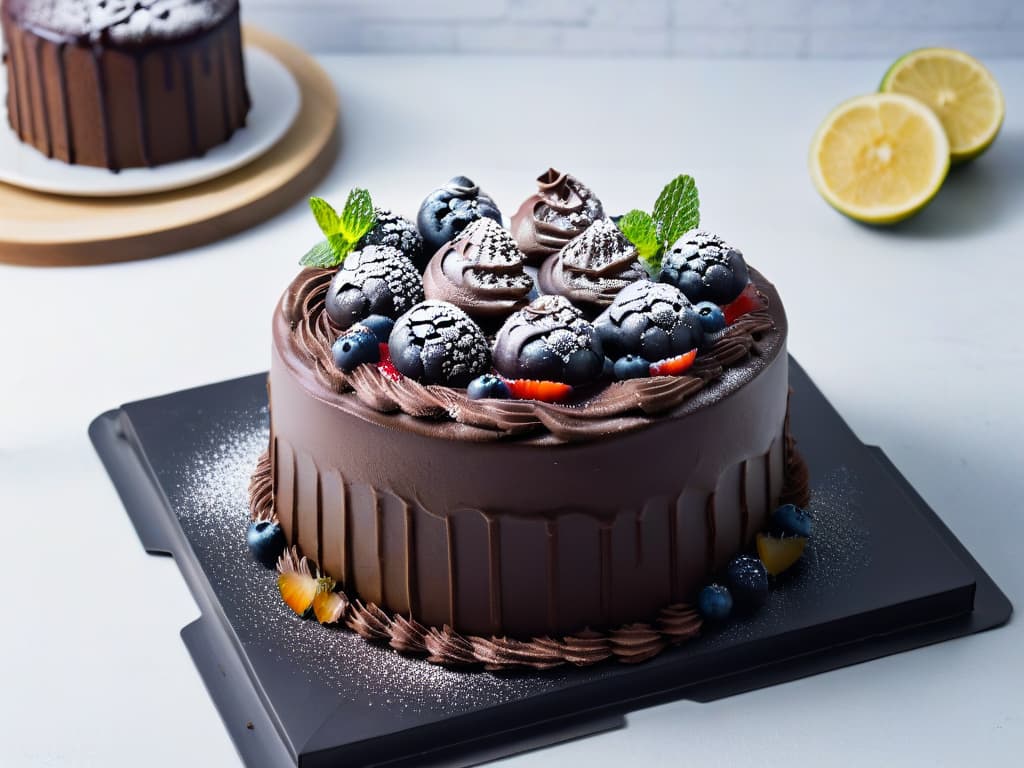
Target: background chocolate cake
x=118 y=85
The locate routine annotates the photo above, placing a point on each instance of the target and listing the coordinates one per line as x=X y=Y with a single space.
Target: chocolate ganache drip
x=561 y=209
x=592 y=269
x=481 y=272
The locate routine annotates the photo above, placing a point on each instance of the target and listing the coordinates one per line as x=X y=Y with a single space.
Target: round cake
x=124 y=84
x=566 y=479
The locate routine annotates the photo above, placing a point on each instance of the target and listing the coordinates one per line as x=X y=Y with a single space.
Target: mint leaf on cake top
x=642 y=231
x=677 y=209
x=343 y=232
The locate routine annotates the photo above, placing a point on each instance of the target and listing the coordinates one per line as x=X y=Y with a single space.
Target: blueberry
x=379 y=325
x=450 y=209
x=266 y=542
x=632 y=367
x=711 y=316
x=354 y=348
x=715 y=602
x=608 y=369
x=749 y=581
x=652 y=320
x=488 y=386
x=791 y=520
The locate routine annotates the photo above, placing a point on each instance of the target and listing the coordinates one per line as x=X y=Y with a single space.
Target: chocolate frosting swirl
x=629 y=644
x=561 y=209
x=591 y=269
x=613 y=409
x=481 y=272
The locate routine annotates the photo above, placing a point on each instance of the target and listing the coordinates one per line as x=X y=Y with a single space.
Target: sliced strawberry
x=748 y=301
x=385 y=366
x=329 y=607
x=297 y=591
x=674 y=366
x=545 y=391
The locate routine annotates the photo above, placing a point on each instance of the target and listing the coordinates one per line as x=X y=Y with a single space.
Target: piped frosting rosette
x=481 y=272
x=561 y=209
x=592 y=269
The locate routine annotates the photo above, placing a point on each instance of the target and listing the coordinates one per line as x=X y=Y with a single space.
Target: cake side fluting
x=525 y=536
x=102 y=103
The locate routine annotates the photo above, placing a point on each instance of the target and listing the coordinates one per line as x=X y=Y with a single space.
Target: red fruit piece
x=545 y=391
x=385 y=366
x=674 y=366
x=748 y=301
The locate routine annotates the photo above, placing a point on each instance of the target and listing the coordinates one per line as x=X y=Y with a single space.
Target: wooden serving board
x=38 y=229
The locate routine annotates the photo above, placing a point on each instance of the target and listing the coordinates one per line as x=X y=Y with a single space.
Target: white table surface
x=913 y=333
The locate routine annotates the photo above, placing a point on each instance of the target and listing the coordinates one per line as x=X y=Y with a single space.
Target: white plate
x=275 y=103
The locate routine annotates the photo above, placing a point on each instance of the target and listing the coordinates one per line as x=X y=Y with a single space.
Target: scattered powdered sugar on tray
x=212 y=505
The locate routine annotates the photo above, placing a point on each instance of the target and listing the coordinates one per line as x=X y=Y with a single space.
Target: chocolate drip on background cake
x=142 y=112
x=101 y=85
x=62 y=83
x=185 y=64
x=43 y=105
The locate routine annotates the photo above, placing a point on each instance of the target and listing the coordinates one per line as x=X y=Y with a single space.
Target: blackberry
x=376 y=280
x=396 y=231
x=437 y=343
x=705 y=268
x=654 y=321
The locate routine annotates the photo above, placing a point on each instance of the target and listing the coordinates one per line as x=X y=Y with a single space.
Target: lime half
x=959 y=89
x=880 y=158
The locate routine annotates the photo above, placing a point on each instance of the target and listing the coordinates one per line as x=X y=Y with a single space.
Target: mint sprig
x=677 y=209
x=642 y=231
x=676 y=212
x=342 y=232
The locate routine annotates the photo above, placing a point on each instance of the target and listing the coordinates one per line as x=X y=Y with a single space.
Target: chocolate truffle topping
x=561 y=209
x=593 y=267
x=376 y=280
x=652 y=320
x=549 y=339
x=481 y=272
x=437 y=343
x=450 y=209
x=705 y=267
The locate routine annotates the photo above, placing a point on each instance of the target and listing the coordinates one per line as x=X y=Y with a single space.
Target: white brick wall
x=765 y=28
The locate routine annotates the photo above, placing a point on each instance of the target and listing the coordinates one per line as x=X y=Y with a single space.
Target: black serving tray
x=882 y=575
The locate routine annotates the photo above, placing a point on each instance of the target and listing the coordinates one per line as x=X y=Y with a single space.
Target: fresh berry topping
x=714 y=602
x=488 y=386
x=704 y=267
x=779 y=554
x=674 y=366
x=631 y=367
x=385 y=366
x=545 y=391
x=549 y=339
x=376 y=280
x=791 y=520
x=608 y=369
x=379 y=325
x=355 y=347
x=266 y=542
x=396 y=231
x=449 y=209
x=712 y=319
x=651 y=320
x=297 y=590
x=748 y=579
x=329 y=607
x=437 y=343
x=748 y=301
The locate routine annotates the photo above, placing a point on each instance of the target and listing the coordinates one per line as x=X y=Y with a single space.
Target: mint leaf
x=326 y=217
x=328 y=253
x=677 y=209
x=357 y=218
x=642 y=231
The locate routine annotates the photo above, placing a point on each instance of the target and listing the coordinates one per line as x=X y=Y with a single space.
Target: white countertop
x=912 y=332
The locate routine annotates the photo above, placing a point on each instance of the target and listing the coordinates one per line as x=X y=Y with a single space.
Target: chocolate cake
x=557 y=491
x=120 y=84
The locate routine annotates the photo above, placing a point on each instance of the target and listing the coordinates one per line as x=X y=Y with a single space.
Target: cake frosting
x=119 y=85
x=562 y=208
x=554 y=509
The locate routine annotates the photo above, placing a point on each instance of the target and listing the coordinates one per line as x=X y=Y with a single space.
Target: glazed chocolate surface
x=125 y=85
x=546 y=530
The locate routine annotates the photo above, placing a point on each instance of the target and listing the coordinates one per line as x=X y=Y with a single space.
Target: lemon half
x=880 y=158
x=959 y=90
